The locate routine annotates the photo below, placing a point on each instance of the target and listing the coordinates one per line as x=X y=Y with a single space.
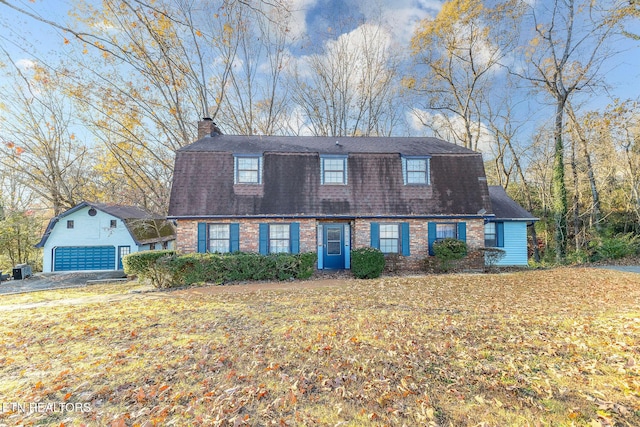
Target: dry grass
x=539 y=348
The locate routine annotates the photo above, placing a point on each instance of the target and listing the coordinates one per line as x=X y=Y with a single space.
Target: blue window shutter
x=375 y=235
x=462 y=231
x=294 y=235
x=431 y=229
x=234 y=237
x=406 y=247
x=320 y=240
x=500 y=234
x=202 y=237
x=264 y=239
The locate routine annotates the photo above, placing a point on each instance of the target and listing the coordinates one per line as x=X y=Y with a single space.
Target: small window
x=279 y=238
x=70 y=224
x=219 y=238
x=152 y=246
x=446 y=231
x=389 y=238
x=92 y=212
x=490 y=236
x=248 y=170
x=415 y=170
x=334 y=170
x=114 y=223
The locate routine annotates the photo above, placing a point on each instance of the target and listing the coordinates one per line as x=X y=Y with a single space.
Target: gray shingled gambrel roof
x=203 y=182
x=143 y=226
x=505 y=208
x=417 y=146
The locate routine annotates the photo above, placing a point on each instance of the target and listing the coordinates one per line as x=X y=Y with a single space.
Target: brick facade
x=187 y=236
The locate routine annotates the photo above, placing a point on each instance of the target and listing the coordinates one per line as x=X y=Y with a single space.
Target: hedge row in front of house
x=167 y=269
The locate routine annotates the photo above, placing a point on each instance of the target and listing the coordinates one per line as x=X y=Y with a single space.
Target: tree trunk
x=559 y=188
x=576 y=196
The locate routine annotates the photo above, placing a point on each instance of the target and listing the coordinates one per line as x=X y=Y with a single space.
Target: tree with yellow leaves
x=458 y=55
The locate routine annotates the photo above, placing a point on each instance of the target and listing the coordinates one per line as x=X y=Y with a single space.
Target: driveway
x=627 y=268
x=46 y=281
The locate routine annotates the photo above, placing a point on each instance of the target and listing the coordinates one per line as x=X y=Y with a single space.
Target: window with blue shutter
x=494 y=235
x=391 y=238
x=279 y=238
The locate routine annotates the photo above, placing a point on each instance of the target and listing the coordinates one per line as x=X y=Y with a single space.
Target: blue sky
x=28 y=39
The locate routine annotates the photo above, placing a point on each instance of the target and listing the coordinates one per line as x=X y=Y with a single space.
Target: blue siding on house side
x=515 y=243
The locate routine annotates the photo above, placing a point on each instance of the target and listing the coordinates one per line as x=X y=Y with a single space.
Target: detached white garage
x=95 y=237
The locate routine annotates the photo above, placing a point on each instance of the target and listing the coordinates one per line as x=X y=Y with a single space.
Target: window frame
x=70 y=224
x=113 y=223
x=451 y=224
x=324 y=170
x=494 y=234
x=218 y=239
x=398 y=239
x=282 y=247
x=237 y=159
x=406 y=171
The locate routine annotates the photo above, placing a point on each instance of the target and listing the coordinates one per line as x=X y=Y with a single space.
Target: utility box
x=21 y=271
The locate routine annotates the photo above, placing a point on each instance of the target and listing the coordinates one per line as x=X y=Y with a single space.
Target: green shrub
x=449 y=250
x=170 y=270
x=367 y=263
x=616 y=247
x=138 y=263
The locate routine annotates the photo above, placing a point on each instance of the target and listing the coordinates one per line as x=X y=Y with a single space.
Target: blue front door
x=334 y=248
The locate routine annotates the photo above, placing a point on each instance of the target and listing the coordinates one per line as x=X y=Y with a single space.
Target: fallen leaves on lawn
x=554 y=347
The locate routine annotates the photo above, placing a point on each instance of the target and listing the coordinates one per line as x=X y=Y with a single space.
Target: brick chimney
x=206 y=127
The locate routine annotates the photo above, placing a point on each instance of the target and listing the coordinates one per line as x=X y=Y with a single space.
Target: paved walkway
x=46 y=281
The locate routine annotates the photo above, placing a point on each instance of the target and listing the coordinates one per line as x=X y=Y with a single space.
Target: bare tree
x=461 y=51
x=38 y=140
x=349 y=89
x=565 y=56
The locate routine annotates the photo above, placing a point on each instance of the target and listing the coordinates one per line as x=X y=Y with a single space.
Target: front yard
x=558 y=347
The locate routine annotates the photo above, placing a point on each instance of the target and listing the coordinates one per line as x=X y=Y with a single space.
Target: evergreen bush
x=449 y=250
x=367 y=263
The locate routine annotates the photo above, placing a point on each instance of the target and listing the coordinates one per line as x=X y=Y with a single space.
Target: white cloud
x=298 y=21
x=25 y=64
x=449 y=128
x=401 y=16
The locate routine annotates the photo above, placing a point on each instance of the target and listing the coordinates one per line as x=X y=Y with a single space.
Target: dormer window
x=248 y=169
x=415 y=170
x=333 y=169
